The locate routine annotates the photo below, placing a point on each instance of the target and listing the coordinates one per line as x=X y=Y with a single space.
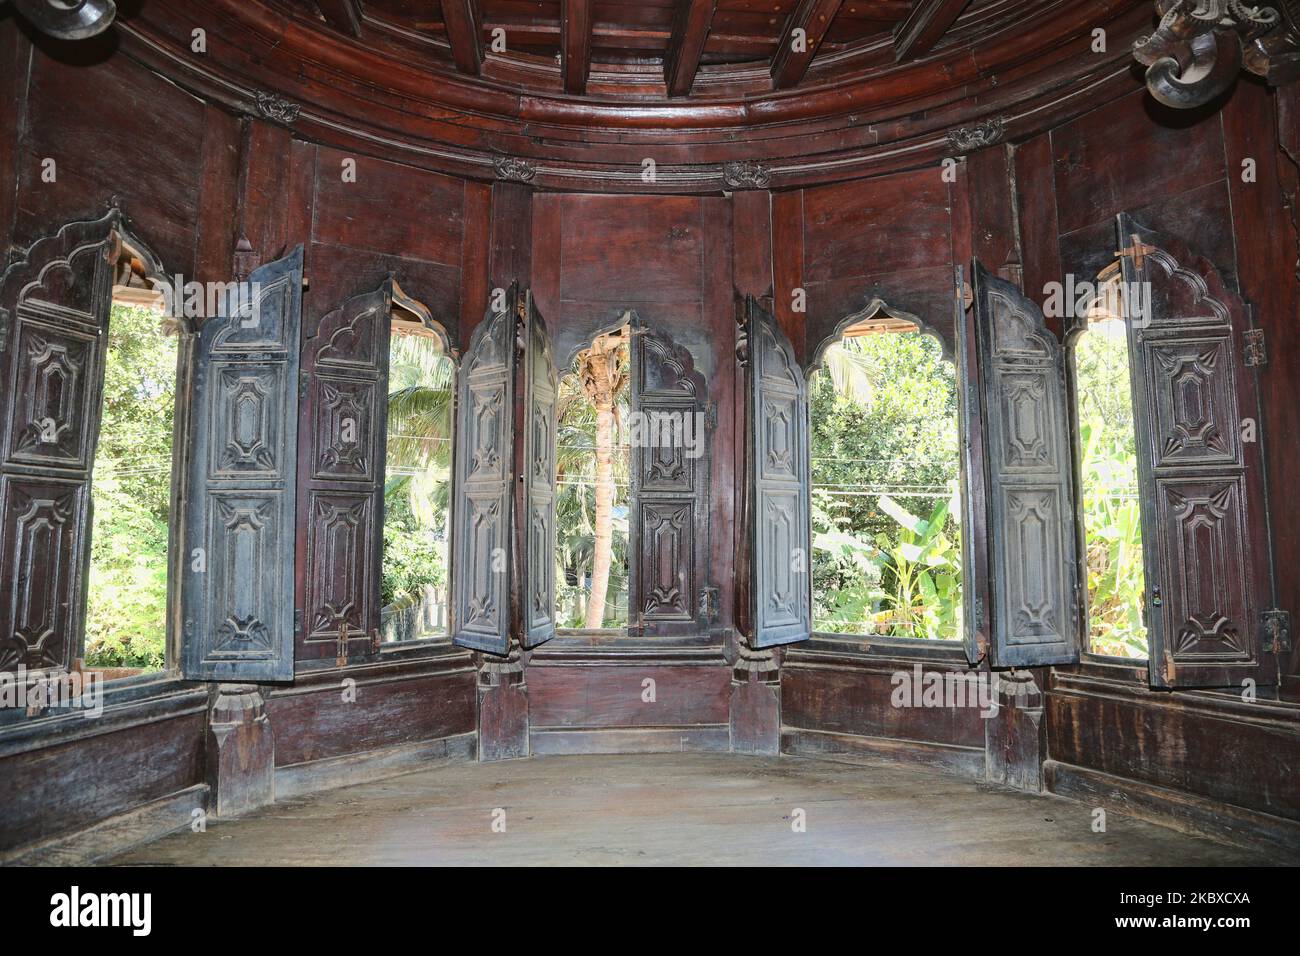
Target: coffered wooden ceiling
x=673 y=39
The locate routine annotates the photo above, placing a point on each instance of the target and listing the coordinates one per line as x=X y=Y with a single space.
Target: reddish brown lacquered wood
x=462 y=22
x=803 y=33
x=686 y=47
x=575 y=44
x=925 y=26
x=342 y=15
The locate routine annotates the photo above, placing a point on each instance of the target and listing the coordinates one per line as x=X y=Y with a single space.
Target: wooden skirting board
x=331 y=772
x=1172 y=808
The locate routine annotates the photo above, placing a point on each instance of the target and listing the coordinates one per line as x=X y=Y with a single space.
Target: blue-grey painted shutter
x=1201 y=485
x=341 y=451
x=482 y=511
x=780 y=485
x=1027 y=473
x=238 y=586
x=541 y=387
x=669 y=524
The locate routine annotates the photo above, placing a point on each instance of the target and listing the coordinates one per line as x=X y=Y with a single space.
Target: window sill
x=874 y=647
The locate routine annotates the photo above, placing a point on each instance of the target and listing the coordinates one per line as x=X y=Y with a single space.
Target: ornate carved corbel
x=276 y=108
x=746 y=175
x=514 y=170
x=69 y=19
x=1197 y=50
x=967 y=139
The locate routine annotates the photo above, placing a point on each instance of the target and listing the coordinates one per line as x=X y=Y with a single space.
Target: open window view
x=417 y=489
x=131 y=492
x=592 y=479
x=885 y=485
x=1108 y=492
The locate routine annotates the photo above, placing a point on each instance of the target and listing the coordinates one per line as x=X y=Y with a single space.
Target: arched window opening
x=1108 y=473
x=885 y=483
x=132 y=482
x=592 y=477
x=414 y=581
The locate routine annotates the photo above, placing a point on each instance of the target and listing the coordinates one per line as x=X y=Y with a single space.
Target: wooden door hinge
x=1275 y=630
x=1256 y=351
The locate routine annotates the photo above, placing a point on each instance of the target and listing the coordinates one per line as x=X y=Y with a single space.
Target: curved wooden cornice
x=1018 y=67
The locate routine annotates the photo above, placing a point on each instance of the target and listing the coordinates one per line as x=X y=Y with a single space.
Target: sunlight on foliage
x=885 y=452
x=1111 y=511
x=126 y=613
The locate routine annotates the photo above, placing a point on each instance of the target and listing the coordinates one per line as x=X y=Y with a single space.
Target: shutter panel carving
x=341 y=459
x=54 y=308
x=482 y=522
x=670 y=489
x=778 y=466
x=541 y=387
x=1026 y=469
x=238 y=609
x=1201 y=486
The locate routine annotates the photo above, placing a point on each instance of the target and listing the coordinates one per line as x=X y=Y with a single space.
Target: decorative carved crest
x=512 y=169
x=966 y=139
x=746 y=175
x=1200 y=45
x=276 y=108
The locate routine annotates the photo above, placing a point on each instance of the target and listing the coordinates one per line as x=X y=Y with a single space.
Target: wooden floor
x=679 y=809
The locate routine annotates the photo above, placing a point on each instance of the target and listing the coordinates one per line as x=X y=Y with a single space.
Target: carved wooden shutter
x=238 y=586
x=341 y=456
x=1200 y=483
x=541 y=386
x=482 y=519
x=54 y=308
x=1026 y=469
x=670 y=490
x=780 y=524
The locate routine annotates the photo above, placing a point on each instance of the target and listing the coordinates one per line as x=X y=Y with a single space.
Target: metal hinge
x=1275 y=630
x=1256 y=348
x=342 y=653
x=303 y=379
x=1137 y=250
x=297 y=620
x=709 y=604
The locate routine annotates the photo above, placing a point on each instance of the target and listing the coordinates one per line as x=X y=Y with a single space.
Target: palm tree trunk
x=603 y=525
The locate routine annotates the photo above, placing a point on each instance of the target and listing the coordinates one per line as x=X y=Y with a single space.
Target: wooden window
x=1018 y=482
x=779 y=600
x=99 y=356
x=886 y=469
x=238 y=586
x=1200 y=470
x=1110 y=506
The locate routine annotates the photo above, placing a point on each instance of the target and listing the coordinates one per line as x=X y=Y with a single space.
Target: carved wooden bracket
x=69 y=19
x=1201 y=45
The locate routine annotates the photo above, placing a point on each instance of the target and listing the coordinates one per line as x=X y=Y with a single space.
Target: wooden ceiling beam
x=691 y=25
x=924 y=26
x=575 y=44
x=461 y=19
x=342 y=15
x=796 y=50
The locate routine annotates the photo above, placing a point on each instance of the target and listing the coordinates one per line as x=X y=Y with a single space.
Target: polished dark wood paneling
x=395 y=703
x=591 y=696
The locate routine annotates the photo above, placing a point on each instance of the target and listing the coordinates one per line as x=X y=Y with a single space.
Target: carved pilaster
x=755 y=699
x=1015 y=738
x=240 y=750
x=503 y=705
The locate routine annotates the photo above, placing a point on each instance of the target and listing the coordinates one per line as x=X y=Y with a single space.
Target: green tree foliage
x=1111 y=510
x=126 y=616
x=417 y=491
x=884 y=450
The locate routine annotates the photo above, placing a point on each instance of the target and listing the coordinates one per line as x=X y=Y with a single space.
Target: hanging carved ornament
x=514 y=170
x=276 y=108
x=746 y=175
x=69 y=19
x=967 y=139
x=1200 y=47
